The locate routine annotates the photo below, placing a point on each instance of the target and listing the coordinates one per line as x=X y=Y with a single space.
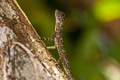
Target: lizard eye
x=63 y=15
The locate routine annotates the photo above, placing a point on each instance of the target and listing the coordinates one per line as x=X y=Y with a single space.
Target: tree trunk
x=22 y=55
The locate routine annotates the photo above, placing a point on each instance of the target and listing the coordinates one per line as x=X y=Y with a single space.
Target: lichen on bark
x=6 y=9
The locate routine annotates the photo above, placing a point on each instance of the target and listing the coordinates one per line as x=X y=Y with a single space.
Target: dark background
x=91 y=34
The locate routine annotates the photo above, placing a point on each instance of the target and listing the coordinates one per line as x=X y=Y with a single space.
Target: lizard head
x=60 y=17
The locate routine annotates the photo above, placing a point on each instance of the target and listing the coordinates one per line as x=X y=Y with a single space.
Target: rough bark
x=22 y=55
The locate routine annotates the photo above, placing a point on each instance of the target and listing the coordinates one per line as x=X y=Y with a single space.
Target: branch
x=23 y=56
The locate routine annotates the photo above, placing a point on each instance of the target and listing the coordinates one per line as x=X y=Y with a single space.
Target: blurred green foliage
x=107 y=10
x=87 y=39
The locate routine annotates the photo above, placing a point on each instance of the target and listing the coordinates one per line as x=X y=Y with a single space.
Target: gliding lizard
x=58 y=40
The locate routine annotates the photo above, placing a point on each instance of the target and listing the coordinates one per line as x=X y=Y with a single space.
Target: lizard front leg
x=49 y=39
